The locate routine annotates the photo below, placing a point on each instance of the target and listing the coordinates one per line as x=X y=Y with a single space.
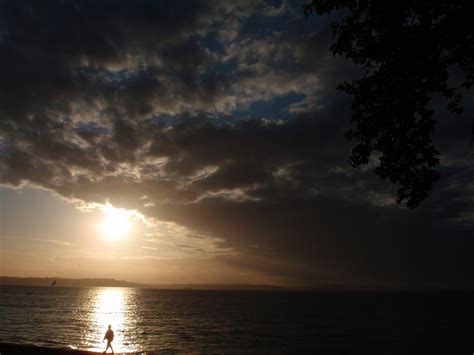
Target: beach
x=13 y=349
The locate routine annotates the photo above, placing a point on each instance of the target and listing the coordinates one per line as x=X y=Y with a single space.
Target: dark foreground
x=13 y=349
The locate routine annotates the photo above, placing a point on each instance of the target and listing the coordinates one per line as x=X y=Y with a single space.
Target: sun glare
x=110 y=308
x=116 y=222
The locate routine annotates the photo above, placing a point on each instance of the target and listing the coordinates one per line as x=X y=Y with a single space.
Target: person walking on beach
x=109 y=335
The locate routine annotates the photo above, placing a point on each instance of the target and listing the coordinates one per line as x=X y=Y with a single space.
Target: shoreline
x=14 y=349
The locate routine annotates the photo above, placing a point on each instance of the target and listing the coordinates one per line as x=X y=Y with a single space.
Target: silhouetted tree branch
x=407 y=49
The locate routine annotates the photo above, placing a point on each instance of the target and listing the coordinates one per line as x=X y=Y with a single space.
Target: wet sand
x=13 y=349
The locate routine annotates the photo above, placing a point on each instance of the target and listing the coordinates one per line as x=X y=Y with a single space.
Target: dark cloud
x=150 y=107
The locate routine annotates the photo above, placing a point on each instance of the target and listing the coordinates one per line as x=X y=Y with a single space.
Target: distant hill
x=223 y=287
x=62 y=282
x=96 y=282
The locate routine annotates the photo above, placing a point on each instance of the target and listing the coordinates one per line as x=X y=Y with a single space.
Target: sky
x=158 y=142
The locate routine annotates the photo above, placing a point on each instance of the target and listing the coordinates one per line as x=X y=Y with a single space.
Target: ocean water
x=191 y=321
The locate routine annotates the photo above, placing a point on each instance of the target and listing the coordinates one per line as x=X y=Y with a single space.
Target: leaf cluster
x=407 y=49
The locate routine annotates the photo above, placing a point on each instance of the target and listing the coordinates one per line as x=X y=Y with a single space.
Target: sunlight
x=116 y=222
x=110 y=309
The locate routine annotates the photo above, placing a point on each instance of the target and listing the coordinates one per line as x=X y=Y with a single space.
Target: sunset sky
x=203 y=142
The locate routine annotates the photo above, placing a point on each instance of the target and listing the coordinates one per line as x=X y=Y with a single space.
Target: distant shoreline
x=65 y=282
x=101 y=282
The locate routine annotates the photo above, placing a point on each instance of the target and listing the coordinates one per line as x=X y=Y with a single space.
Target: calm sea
x=238 y=322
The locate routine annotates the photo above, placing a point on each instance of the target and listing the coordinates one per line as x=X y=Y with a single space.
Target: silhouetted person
x=54 y=283
x=109 y=335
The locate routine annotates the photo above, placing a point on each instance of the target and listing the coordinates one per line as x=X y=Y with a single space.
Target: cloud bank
x=219 y=120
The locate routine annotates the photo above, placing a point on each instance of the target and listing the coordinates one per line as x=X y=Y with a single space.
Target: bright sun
x=115 y=224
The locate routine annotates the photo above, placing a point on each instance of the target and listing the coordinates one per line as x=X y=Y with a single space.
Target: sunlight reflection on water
x=112 y=306
x=184 y=321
